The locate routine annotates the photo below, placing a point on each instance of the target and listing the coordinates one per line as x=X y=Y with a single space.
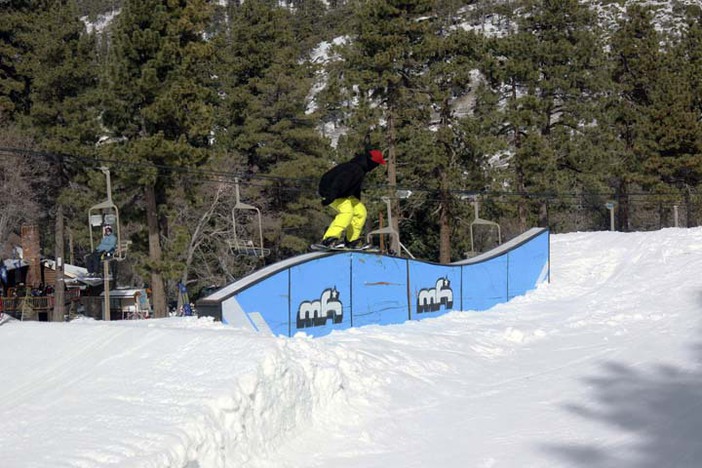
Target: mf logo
x=316 y=313
x=431 y=299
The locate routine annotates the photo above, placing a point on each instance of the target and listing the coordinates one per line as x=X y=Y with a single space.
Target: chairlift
x=100 y=216
x=389 y=230
x=479 y=220
x=241 y=245
x=107 y=214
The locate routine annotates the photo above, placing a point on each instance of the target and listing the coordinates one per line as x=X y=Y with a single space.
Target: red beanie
x=377 y=156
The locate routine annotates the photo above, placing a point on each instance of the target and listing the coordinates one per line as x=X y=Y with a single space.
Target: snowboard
x=365 y=248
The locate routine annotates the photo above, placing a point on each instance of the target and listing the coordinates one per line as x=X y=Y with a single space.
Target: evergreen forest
x=520 y=112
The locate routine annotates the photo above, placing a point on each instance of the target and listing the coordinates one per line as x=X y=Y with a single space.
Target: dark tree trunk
x=158 y=292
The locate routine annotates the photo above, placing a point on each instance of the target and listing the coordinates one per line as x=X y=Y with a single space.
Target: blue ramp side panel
x=528 y=266
x=320 y=295
x=269 y=298
x=434 y=289
x=485 y=284
x=379 y=286
x=319 y=292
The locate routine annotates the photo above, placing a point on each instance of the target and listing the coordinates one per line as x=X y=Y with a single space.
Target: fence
x=636 y=212
x=593 y=212
x=35 y=307
x=560 y=213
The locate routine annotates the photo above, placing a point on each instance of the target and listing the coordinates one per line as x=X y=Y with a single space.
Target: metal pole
x=105 y=263
x=106 y=282
x=108 y=183
x=59 y=285
x=610 y=207
x=675 y=215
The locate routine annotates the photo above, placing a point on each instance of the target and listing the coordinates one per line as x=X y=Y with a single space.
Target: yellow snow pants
x=350 y=219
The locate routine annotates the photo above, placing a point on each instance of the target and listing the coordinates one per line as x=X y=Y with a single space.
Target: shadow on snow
x=660 y=407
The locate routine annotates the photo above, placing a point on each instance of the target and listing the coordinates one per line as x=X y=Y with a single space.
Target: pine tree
x=549 y=75
x=677 y=117
x=15 y=76
x=435 y=141
x=64 y=101
x=637 y=67
x=159 y=98
x=264 y=123
x=313 y=22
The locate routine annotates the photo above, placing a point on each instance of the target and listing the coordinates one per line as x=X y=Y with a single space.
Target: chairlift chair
x=479 y=220
x=246 y=246
x=389 y=230
x=107 y=214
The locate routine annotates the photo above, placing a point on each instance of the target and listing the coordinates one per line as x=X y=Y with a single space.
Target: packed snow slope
x=599 y=368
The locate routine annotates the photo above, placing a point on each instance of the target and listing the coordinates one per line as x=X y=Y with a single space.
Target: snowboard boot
x=333 y=243
x=357 y=244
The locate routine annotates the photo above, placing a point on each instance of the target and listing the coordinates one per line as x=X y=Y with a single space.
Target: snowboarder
x=340 y=188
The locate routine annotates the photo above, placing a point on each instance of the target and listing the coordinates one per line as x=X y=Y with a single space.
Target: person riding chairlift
x=107 y=245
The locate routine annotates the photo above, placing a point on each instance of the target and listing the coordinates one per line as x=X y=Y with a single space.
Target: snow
x=598 y=368
x=103 y=21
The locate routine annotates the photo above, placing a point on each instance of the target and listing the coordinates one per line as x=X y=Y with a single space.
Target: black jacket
x=346 y=179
